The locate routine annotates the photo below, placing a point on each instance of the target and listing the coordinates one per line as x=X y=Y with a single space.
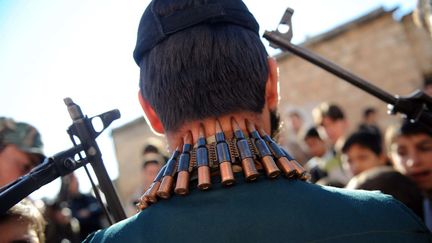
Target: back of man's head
x=207 y=69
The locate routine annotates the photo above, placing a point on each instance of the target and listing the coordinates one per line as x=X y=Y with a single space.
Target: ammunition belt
x=219 y=155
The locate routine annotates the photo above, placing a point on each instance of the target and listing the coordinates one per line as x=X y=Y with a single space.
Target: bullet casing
x=141 y=205
x=248 y=164
x=204 y=181
x=224 y=159
x=227 y=175
x=301 y=172
x=249 y=169
x=165 y=187
x=270 y=167
x=151 y=194
x=267 y=161
x=182 y=184
x=286 y=166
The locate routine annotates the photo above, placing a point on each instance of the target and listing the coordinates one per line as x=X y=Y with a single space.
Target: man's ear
x=150 y=115
x=272 y=85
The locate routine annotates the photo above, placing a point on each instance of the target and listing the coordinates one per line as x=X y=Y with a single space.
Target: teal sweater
x=278 y=210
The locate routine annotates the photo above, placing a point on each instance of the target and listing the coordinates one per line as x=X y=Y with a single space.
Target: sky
x=51 y=49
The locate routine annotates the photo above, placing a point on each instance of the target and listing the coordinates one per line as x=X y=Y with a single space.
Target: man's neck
x=176 y=138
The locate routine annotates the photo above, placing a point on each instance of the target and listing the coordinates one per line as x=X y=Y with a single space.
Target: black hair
x=145 y=163
x=371 y=141
x=408 y=128
x=312 y=133
x=332 y=111
x=427 y=80
x=203 y=71
x=368 y=111
x=150 y=149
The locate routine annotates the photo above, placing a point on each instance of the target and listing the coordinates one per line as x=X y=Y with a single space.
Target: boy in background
x=411 y=151
x=364 y=156
x=363 y=151
x=321 y=154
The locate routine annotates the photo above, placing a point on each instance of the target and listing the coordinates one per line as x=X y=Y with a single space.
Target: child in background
x=318 y=165
x=364 y=156
x=363 y=151
x=411 y=151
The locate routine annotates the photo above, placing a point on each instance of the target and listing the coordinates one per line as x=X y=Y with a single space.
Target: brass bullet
x=204 y=182
x=286 y=166
x=182 y=184
x=283 y=163
x=151 y=194
x=167 y=179
x=264 y=152
x=165 y=187
x=300 y=171
x=227 y=175
x=270 y=167
x=141 y=205
x=224 y=157
x=249 y=169
x=248 y=165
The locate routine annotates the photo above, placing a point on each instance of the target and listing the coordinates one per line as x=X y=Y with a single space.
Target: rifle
x=63 y=163
x=416 y=106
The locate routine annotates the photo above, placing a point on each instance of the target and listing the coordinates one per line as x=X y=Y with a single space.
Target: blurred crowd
x=396 y=160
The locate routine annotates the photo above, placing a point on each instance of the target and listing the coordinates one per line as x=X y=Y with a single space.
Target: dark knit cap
x=154 y=28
